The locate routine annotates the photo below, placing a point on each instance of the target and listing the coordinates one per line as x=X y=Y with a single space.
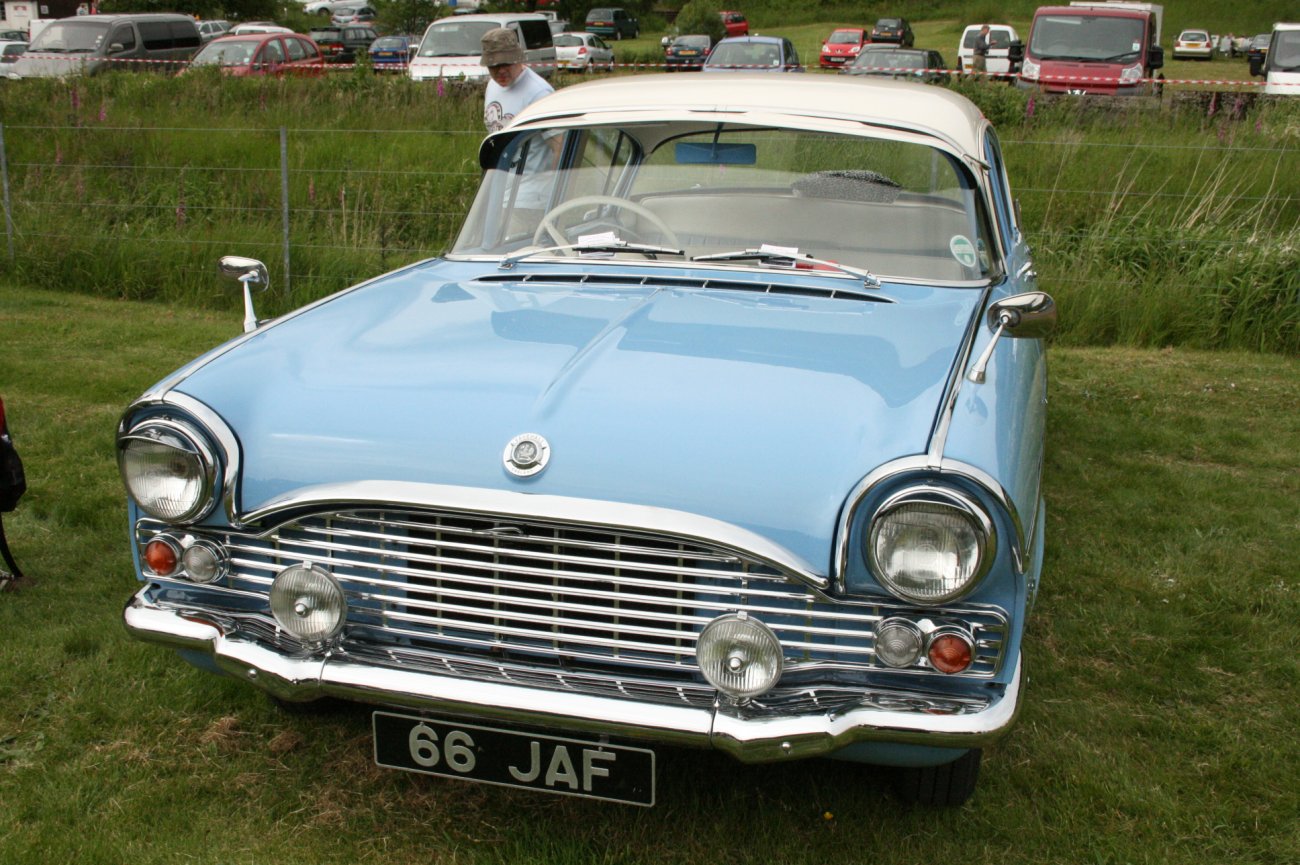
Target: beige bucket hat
x=501 y=47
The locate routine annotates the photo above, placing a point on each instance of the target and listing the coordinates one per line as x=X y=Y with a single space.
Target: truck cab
x=1102 y=48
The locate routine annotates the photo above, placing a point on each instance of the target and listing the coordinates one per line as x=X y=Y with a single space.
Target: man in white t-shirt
x=512 y=86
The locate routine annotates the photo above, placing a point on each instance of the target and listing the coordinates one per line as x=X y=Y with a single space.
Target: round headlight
x=168 y=469
x=929 y=546
x=739 y=656
x=308 y=603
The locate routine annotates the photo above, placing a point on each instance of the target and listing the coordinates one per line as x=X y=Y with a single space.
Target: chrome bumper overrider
x=748 y=733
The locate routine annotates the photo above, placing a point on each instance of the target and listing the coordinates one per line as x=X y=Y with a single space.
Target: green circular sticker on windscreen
x=963 y=250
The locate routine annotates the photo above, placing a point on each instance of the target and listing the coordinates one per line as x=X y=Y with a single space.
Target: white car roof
x=767 y=99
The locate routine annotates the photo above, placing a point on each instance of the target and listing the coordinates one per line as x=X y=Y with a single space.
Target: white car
x=1194 y=45
x=257 y=27
x=583 y=52
x=1000 y=38
x=11 y=50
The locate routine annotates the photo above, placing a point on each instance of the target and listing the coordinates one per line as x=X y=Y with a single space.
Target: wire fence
x=148 y=208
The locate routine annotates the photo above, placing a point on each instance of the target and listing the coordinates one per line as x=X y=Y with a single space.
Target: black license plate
x=553 y=764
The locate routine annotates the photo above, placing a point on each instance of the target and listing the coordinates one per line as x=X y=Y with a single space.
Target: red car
x=735 y=22
x=262 y=54
x=841 y=48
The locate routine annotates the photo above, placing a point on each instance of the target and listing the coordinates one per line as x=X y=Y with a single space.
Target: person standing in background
x=980 y=62
x=512 y=86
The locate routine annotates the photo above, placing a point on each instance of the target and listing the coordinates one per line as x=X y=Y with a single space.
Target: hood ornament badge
x=527 y=454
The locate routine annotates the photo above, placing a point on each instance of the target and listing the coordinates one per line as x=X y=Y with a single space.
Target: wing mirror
x=250 y=273
x=1031 y=315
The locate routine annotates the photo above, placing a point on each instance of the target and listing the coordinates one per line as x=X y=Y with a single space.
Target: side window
x=124 y=36
x=602 y=161
x=184 y=34
x=536 y=34
x=791 y=56
x=155 y=35
x=273 y=52
x=1004 y=208
x=297 y=50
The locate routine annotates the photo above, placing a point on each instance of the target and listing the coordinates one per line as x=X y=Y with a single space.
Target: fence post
x=4 y=181
x=284 y=199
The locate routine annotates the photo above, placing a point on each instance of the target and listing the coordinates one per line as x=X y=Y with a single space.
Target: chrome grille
x=566 y=597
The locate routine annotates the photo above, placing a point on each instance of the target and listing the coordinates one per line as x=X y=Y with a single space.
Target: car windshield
x=746 y=54
x=1284 y=52
x=384 y=43
x=888 y=24
x=893 y=207
x=237 y=52
x=568 y=40
x=845 y=37
x=70 y=37
x=1087 y=37
x=891 y=60
x=455 y=38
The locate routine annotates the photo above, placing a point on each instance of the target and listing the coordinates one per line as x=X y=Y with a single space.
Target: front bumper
x=749 y=734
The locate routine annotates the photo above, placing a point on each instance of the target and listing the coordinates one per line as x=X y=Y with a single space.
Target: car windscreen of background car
x=1086 y=37
x=456 y=39
x=70 y=37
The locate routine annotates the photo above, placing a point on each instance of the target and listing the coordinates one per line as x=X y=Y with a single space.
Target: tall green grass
x=1171 y=223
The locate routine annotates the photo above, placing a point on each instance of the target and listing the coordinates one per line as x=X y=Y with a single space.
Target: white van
x=1282 y=66
x=1000 y=38
x=452 y=47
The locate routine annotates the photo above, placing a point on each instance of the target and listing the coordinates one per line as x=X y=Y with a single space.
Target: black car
x=687 y=52
x=916 y=64
x=893 y=30
x=343 y=44
x=1257 y=52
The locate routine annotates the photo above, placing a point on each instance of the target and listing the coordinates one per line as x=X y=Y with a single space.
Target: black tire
x=943 y=786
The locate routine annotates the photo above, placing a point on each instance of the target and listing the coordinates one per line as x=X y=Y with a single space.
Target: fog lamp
x=950 y=652
x=162 y=555
x=205 y=562
x=739 y=655
x=308 y=603
x=898 y=643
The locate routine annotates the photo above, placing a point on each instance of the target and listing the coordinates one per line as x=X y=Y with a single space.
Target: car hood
x=759 y=410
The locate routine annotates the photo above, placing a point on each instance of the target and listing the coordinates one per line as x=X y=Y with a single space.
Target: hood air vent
x=655 y=281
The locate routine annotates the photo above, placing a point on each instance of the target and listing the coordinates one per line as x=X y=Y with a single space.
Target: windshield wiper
x=605 y=246
x=787 y=258
x=1119 y=58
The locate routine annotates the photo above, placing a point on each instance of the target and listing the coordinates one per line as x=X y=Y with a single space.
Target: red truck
x=1104 y=48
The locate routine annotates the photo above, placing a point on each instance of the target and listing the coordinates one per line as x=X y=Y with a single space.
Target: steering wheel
x=547 y=226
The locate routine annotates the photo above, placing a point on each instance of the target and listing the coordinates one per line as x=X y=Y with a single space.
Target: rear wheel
x=940 y=786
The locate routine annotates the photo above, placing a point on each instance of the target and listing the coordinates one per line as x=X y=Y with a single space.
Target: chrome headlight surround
x=169 y=469
x=930 y=545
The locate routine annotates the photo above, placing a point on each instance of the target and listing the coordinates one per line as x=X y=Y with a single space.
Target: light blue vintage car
x=721 y=425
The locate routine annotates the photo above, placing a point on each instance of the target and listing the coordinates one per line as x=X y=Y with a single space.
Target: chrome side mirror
x=250 y=273
x=1031 y=315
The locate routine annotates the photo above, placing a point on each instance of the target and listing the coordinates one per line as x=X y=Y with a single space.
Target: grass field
x=1157 y=726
